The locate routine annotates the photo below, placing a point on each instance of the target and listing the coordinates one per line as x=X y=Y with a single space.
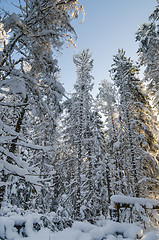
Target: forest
x=76 y=160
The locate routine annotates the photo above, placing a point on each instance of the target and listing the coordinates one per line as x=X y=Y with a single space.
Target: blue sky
x=108 y=25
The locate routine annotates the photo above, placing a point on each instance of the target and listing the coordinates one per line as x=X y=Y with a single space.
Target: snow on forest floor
x=104 y=230
x=84 y=231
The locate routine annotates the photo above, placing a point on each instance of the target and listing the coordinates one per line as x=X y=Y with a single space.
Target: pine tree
x=137 y=119
x=107 y=99
x=148 y=37
x=101 y=181
x=78 y=133
x=83 y=161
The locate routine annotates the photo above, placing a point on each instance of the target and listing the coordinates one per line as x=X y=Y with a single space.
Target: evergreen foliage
x=85 y=166
x=30 y=90
x=148 y=37
x=58 y=157
x=137 y=124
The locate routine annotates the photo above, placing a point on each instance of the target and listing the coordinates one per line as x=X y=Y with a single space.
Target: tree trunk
x=12 y=148
x=17 y=129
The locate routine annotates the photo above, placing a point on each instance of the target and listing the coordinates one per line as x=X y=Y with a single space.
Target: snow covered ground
x=104 y=230
x=86 y=231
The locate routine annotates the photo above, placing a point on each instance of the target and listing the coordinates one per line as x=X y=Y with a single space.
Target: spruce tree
x=83 y=163
x=148 y=37
x=78 y=132
x=107 y=99
x=102 y=189
x=137 y=119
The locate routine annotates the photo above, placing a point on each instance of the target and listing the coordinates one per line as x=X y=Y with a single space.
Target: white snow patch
x=111 y=237
x=154 y=235
x=149 y=203
x=83 y=226
x=97 y=234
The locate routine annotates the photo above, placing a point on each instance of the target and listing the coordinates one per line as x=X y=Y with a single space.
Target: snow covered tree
x=78 y=132
x=101 y=181
x=82 y=162
x=148 y=37
x=107 y=100
x=137 y=119
x=29 y=85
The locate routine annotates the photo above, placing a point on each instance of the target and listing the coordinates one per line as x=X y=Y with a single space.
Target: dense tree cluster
x=30 y=95
x=70 y=154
